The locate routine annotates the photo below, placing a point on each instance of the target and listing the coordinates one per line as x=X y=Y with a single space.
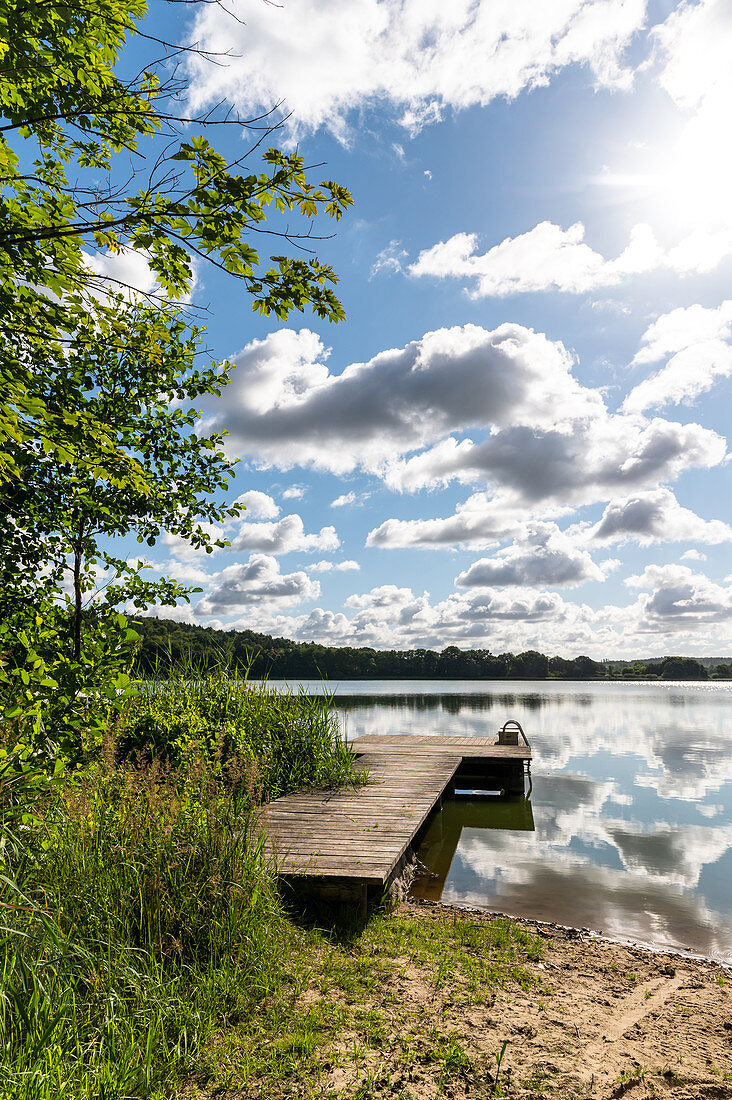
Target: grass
x=139 y=911
x=284 y=740
x=367 y=1002
x=145 y=951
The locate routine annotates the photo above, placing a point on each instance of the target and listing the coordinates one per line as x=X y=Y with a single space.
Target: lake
x=628 y=826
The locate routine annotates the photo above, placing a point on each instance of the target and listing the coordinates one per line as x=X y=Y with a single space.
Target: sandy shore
x=609 y=1019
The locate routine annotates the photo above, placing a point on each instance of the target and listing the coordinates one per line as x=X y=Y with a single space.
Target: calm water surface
x=628 y=827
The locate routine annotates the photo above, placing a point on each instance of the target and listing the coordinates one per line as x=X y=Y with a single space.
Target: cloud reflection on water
x=632 y=801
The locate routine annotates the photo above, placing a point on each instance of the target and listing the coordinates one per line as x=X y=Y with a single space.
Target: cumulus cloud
x=655 y=516
x=403 y=414
x=294 y=492
x=183 y=550
x=543 y=557
x=699 y=344
x=126 y=271
x=256 y=582
x=693 y=555
x=548 y=257
x=283 y=537
x=673 y=603
x=679 y=596
x=344 y=500
x=333 y=566
x=389 y=616
x=284 y=405
x=258 y=505
x=385 y=596
x=478 y=522
x=591 y=460
x=693 y=48
x=326 y=60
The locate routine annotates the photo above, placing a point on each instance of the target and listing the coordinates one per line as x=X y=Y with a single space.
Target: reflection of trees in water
x=449 y=704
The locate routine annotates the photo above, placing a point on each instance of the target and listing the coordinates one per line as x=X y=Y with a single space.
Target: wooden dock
x=344 y=843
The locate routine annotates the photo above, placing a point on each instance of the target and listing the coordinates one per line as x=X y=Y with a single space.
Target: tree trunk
x=78 y=557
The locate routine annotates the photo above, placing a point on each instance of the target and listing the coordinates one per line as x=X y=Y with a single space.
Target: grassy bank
x=139 y=912
x=146 y=952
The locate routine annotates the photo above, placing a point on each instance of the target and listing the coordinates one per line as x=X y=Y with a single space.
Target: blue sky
x=518 y=437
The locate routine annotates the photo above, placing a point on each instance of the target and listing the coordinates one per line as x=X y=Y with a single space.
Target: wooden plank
x=363 y=833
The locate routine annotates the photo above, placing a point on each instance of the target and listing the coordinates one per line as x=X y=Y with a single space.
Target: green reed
x=139 y=913
x=289 y=740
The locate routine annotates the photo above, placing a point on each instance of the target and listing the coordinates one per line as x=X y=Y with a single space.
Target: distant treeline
x=164 y=640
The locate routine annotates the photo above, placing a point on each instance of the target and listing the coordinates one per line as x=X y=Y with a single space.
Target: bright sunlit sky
x=519 y=436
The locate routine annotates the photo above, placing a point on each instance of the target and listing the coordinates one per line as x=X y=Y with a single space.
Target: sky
x=518 y=437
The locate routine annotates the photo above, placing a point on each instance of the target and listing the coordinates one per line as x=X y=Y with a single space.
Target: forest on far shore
x=163 y=640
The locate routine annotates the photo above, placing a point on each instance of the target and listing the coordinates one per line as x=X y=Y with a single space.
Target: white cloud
x=283 y=537
x=182 y=549
x=389 y=616
x=548 y=257
x=256 y=582
x=699 y=343
x=549 y=441
x=684 y=328
x=693 y=555
x=284 y=406
x=295 y=492
x=681 y=597
x=694 y=46
x=655 y=516
x=591 y=461
x=672 y=613
x=542 y=557
x=128 y=272
x=258 y=505
x=477 y=523
x=123 y=272
x=344 y=500
x=385 y=596
x=333 y=566
x=390 y=260
x=417 y=57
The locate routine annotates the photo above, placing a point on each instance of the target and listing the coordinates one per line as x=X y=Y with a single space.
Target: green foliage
x=282 y=741
x=52 y=703
x=96 y=435
x=140 y=915
x=282 y=657
x=64 y=512
x=68 y=116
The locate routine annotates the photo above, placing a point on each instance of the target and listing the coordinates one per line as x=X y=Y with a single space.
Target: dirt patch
x=430 y=1002
x=605 y=1020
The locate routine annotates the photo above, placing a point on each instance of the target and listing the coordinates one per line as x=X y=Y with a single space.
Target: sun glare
x=697 y=183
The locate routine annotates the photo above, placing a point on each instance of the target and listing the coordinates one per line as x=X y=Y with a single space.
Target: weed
x=637 y=1073
x=450 y=1056
x=499 y=1056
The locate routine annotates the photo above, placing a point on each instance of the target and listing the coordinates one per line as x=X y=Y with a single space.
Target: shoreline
x=570 y=932
x=423 y=1000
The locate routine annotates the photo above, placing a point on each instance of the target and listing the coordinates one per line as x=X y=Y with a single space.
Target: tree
x=65 y=509
x=682 y=668
x=75 y=464
x=67 y=118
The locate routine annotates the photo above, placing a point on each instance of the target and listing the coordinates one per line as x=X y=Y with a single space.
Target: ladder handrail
x=519 y=727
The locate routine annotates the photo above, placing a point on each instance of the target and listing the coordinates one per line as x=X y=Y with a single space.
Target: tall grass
x=289 y=739
x=142 y=913
x=137 y=909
